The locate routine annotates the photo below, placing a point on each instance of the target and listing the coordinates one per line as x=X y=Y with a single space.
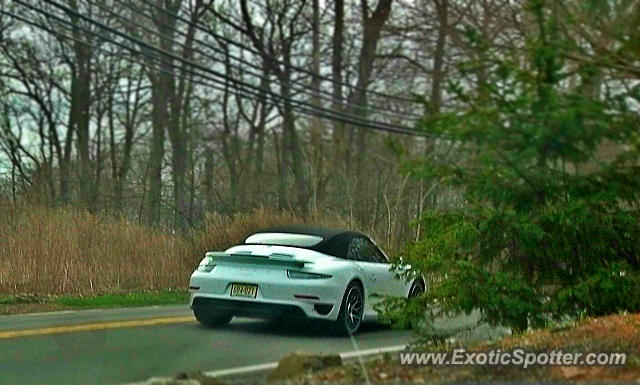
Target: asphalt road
x=118 y=346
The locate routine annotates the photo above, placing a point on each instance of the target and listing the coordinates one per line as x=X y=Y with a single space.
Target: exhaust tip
x=323 y=309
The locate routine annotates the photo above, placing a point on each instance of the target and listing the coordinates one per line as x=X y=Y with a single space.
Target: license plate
x=243 y=290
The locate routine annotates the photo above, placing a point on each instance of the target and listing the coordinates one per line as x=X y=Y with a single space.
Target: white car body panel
x=237 y=265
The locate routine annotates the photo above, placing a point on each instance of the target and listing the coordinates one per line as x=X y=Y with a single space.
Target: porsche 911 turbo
x=297 y=271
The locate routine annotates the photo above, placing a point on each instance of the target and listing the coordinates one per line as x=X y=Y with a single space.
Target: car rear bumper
x=276 y=296
x=265 y=309
x=248 y=309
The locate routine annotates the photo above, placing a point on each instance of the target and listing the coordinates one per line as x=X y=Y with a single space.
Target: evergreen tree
x=548 y=175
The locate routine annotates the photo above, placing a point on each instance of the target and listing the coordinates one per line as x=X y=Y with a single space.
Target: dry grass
x=55 y=251
x=613 y=333
x=617 y=332
x=66 y=251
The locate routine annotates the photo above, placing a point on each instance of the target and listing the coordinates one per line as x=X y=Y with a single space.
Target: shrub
x=549 y=227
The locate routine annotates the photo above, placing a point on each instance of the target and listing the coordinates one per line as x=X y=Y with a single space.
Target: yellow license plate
x=243 y=290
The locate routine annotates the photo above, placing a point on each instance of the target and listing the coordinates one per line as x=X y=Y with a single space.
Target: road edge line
x=272 y=365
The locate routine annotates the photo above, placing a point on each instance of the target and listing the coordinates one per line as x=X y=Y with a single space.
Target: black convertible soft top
x=334 y=242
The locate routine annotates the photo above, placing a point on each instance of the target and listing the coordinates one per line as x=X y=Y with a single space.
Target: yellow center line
x=95 y=326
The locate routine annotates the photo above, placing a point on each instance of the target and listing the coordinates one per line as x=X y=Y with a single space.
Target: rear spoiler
x=247 y=257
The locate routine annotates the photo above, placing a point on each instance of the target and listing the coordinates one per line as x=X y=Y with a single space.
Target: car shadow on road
x=295 y=327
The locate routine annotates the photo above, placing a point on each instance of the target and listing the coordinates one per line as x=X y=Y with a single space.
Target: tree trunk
x=336 y=67
x=372 y=28
x=289 y=131
x=80 y=109
x=227 y=147
x=165 y=116
x=260 y=127
x=158 y=121
x=209 y=164
x=316 y=124
x=179 y=98
x=435 y=102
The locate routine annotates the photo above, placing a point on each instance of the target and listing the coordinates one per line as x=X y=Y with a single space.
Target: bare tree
x=283 y=19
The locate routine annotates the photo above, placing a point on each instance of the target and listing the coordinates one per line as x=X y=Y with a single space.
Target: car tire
x=417 y=288
x=212 y=319
x=351 y=311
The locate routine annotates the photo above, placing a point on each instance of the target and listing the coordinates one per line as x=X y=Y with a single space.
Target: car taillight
x=206 y=265
x=305 y=275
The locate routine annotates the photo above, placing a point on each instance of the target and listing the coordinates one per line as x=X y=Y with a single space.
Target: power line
x=300 y=106
x=304 y=91
x=97 y=48
x=275 y=60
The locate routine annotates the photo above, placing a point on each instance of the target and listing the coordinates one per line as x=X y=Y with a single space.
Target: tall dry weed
x=67 y=251
x=53 y=251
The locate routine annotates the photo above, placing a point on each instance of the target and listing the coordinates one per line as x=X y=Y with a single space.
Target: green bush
x=607 y=290
x=548 y=179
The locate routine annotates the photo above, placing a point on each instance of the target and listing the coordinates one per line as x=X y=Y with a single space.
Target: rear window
x=284 y=239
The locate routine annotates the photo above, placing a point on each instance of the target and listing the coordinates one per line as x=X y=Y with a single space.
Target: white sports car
x=296 y=271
